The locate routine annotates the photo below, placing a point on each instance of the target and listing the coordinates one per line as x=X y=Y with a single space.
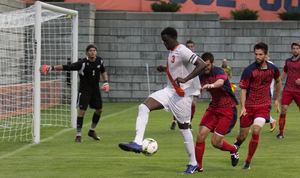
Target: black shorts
x=85 y=98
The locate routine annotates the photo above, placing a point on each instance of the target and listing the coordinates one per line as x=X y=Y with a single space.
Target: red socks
x=199 y=151
x=281 y=123
x=227 y=147
x=252 y=146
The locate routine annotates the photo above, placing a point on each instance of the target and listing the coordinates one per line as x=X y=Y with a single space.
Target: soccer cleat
x=235 y=156
x=131 y=146
x=246 y=165
x=93 y=135
x=199 y=170
x=78 y=139
x=173 y=126
x=191 y=169
x=279 y=136
x=273 y=125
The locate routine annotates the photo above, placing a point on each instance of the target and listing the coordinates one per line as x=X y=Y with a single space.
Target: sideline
x=61 y=132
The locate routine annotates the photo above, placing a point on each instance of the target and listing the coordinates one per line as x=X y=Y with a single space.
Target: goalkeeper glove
x=106 y=86
x=46 y=69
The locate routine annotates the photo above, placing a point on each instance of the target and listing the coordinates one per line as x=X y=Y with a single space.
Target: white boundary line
x=59 y=133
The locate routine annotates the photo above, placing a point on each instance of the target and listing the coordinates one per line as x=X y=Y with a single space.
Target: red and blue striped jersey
x=292 y=68
x=222 y=97
x=257 y=81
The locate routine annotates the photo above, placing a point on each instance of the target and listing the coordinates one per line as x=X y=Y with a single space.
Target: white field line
x=59 y=133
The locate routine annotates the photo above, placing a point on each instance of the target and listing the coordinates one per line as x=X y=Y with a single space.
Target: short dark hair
x=263 y=46
x=295 y=44
x=90 y=46
x=170 y=31
x=208 y=56
x=189 y=41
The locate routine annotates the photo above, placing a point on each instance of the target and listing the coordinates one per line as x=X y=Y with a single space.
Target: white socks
x=189 y=145
x=271 y=119
x=141 y=122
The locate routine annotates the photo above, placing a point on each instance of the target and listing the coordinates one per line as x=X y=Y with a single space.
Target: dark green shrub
x=162 y=6
x=244 y=14
x=289 y=15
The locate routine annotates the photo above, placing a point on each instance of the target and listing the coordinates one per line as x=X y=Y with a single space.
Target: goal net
x=30 y=38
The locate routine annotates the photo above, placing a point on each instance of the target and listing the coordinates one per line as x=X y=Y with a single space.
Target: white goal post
x=37 y=85
x=42 y=34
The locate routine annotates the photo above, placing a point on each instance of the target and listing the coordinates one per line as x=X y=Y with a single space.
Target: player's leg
x=286 y=99
x=200 y=144
x=83 y=100
x=181 y=108
x=155 y=101
x=226 y=119
x=272 y=121
x=245 y=123
x=173 y=125
x=272 y=124
x=257 y=125
x=95 y=103
x=193 y=110
x=149 y=105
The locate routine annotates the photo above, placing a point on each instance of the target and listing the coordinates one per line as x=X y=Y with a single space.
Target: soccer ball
x=149 y=147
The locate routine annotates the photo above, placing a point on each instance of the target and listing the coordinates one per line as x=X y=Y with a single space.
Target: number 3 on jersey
x=173 y=59
x=93 y=72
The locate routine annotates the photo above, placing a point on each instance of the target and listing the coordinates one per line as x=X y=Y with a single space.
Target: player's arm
x=229 y=73
x=46 y=69
x=200 y=66
x=161 y=69
x=278 y=91
x=216 y=84
x=243 y=100
x=74 y=66
x=282 y=76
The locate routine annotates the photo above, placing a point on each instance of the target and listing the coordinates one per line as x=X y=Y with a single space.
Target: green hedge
x=162 y=6
x=289 y=15
x=244 y=14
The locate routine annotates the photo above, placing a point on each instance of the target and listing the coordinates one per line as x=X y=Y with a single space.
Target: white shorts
x=180 y=107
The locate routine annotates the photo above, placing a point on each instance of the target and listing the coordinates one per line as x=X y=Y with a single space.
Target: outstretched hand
x=46 y=69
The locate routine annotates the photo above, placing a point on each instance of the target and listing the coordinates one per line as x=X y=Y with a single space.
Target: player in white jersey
x=190 y=45
x=272 y=121
x=176 y=97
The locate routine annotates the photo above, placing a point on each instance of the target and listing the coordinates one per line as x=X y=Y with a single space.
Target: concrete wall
x=129 y=40
x=11 y=5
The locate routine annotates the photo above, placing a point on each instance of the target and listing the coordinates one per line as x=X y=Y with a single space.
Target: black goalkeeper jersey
x=89 y=73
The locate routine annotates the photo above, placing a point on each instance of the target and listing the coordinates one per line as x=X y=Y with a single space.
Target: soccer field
x=58 y=155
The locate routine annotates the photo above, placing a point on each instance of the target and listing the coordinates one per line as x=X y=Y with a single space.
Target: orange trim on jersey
x=175 y=47
x=178 y=90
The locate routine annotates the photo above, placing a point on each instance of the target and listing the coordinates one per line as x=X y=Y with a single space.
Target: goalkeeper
x=89 y=70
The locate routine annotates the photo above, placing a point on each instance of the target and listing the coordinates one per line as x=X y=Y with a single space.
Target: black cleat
x=246 y=165
x=235 y=156
x=279 y=136
x=78 y=139
x=93 y=135
x=199 y=170
x=173 y=126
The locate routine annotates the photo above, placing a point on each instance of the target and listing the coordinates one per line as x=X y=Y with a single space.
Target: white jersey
x=272 y=84
x=181 y=63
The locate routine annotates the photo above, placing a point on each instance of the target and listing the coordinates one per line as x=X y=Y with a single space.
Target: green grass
x=57 y=155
